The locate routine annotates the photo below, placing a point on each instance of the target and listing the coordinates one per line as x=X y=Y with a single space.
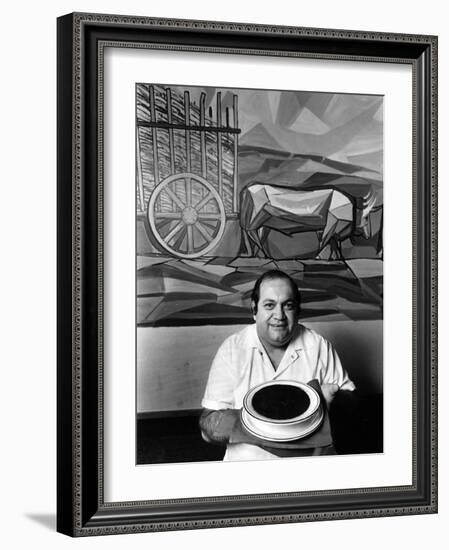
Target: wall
x=27 y=227
x=174 y=377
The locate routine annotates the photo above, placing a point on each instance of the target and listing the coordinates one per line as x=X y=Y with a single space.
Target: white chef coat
x=241 y=363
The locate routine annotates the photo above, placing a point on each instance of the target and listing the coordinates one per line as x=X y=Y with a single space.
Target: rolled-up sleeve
x=219 y=393
x=333 y=371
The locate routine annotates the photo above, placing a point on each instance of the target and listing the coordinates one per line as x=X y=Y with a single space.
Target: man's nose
x=279 y=312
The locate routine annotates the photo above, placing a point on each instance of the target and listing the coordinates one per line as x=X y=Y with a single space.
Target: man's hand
x=329 y=391
x=224 y=426
x=217 y=426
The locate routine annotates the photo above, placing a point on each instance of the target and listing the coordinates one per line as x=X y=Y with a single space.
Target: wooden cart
x=189 y=204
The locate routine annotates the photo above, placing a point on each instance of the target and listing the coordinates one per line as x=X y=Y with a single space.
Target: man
x=276 y=347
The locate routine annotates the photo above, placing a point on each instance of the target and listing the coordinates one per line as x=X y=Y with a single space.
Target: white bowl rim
x=315 y=401
x=285 y=439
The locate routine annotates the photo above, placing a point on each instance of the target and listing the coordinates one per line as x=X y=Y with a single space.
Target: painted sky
x=343 y=127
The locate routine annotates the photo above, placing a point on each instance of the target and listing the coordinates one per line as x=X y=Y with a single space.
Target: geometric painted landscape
x=177 y=292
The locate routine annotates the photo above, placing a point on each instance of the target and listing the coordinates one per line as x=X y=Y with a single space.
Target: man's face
x=277 y=313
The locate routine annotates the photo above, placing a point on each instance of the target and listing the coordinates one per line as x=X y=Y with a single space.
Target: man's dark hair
x=270 y=276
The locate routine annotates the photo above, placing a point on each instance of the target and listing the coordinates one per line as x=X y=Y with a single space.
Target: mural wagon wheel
x=186 y=215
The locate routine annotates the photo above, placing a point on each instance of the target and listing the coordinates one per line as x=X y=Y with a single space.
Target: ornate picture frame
x=83 y=508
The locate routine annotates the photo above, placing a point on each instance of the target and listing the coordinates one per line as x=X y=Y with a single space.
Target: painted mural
x=233 y=182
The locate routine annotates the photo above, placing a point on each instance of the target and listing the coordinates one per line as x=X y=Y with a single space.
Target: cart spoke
x=209 y=225
x=188 y=191
x=168 y=215
x=190 y=238
x=162 y=223
x=204 y=201
x=174 y=232
x=174 y=198
x=207 y=236
x=209 y=216
x=179 y=239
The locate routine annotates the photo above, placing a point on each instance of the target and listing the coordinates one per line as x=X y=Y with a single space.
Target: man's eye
x=268 y=306
x=289 y=306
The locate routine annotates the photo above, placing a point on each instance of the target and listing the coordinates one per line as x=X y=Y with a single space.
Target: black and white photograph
x=259 y=273
x=221 y=288
x=246 y=284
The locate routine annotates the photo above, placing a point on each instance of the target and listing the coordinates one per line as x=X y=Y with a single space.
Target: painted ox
x=331 y=215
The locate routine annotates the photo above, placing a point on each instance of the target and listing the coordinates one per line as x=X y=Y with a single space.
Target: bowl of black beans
x=282 y=410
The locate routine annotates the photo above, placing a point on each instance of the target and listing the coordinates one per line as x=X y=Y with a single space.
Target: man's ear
x=253 y=308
